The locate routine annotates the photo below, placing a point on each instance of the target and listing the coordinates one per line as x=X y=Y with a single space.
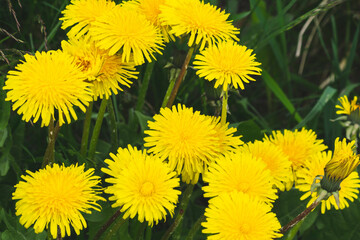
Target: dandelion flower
x=346 y=107
x=206 y=24
x=80 y=14
x=240 y=172
x=343 y=162
x=54 y=198
x=107 y=73
x=142 y=185
x=189 y=140
x=45 y=82
x=227 y=63
x=274 y=158
x=238 y=216
x=314 y=167
x=135 y=37
x=298 y=146
x=151 y=9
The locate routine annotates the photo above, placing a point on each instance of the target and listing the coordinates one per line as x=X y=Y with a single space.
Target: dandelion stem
x=224 y=106
x=302 y=215
x=169 y=90
x=108 y=224
x=180 y=212
x=113 y=128
x=49 y=156
x=181 y=76
x=97 y=128
x=145 y=85
x=195 y=228
x=86 y=130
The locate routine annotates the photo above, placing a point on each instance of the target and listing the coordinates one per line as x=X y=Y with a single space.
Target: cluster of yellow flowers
x=106 y=43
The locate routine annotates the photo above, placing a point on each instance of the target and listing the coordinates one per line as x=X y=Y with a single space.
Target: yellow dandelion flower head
x=240 y=172
x=314 y=167
x=239 y=216
x=80 y=14
x=275 y=159
x=227 y=63
x=346 y=107
x=224 y=135
x=107 y=73
x=189 y=140
x=45 y=82
x=206 y=24
x=143 y=186
x=135 y=37
x=297 y=145
x=121 y=159
x=151 y=9
x=55 y=197
x=343 y=162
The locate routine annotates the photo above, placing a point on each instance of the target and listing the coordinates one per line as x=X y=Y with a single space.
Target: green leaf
x=249 y=130
x=328 y=93
x=143 y=119
x=275 y=88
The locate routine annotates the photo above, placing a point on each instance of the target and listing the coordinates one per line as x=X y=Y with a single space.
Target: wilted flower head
x=47 y=82
x=54 y=198
x=205 y=24
x=228 y=64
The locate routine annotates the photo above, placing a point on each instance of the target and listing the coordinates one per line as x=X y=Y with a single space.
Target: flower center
x=244 y=228
x=243 y=187
x=147 y=189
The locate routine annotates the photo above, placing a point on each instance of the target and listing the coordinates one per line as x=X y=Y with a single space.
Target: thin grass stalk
x=86 y=130
x=53 y=131
x=144 y=86
x=97 y=128
x=195 y=228
x=180 y=213
x=181 y=76
x=113 y=127
x=224 y=106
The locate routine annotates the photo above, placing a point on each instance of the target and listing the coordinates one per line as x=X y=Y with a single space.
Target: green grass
x=293 y=92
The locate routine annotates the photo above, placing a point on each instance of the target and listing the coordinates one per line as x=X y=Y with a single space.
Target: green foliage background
x=291 y=93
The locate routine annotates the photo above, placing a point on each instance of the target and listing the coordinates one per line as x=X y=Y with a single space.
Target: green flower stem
x=145 y=85
x=140 y=233
x=195 y=228
x=86 y=130
x=168 y=92
x=224 y=106
x=113 y=128
x=181 y=76
x=294 y=230
x=180 y=212
x=97 y=128
x=49 y=156
x=108 y=224
x=301 y=216
x=148 y=233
